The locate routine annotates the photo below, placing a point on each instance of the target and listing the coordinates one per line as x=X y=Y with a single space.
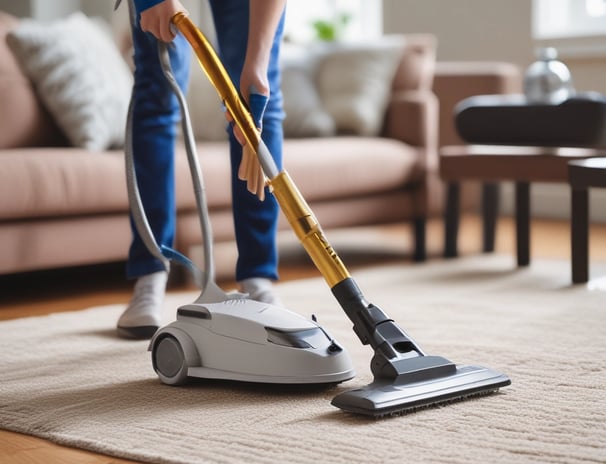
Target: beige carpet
x=66 y=378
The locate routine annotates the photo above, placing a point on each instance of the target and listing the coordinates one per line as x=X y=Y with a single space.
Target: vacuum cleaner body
x=245 y=340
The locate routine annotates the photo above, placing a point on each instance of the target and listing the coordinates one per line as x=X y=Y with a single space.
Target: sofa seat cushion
x=44 y=182
x=68 y=181
x=349 y=166
x=324 y=168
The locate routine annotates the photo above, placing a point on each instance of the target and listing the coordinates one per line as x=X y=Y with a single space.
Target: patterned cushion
x=80 y=76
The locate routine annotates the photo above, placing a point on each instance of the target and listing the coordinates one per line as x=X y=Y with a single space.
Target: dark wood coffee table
x=492 y=164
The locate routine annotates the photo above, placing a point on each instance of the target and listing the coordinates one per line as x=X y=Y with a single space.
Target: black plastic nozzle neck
x=395 y=351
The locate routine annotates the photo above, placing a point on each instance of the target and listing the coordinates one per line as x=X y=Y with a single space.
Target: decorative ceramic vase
x=548 y=80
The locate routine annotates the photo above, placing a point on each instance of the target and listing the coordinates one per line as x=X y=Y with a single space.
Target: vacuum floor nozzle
x=392 y=397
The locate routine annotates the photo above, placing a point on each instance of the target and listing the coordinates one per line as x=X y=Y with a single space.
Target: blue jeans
x=155 y=116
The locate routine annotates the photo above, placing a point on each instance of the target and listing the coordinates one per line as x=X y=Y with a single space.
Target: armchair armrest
x=412 y=117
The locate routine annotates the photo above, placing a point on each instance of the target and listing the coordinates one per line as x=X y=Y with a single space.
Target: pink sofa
x=64 y=206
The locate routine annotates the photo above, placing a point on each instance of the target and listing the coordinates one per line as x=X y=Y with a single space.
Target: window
x=553 y=19
x=577 y=28
x=364 y=19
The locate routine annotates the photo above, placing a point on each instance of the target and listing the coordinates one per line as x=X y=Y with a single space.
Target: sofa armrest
x=412 y=117
x=457 y=80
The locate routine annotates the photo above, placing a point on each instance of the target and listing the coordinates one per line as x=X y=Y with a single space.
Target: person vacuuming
x=234 y=337
x=249 y=33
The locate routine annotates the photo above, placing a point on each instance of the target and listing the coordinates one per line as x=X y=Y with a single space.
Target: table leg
x=420 y=232
x=490 y=211
x=451 y=219
x=522 y=193
x=579 y=235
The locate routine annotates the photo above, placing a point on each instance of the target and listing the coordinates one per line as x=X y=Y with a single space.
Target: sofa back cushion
x=23 y=119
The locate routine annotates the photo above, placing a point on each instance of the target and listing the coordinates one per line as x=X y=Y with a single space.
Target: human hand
x=255 y=92
x=250 y=169
x=156 y=19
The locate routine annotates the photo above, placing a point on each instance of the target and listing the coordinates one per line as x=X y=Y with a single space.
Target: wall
x=47 y=10
x=467 y=29
x=489 y=30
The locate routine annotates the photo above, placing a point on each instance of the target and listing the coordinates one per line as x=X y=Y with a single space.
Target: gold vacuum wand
x=291 y=202
x=217 y=74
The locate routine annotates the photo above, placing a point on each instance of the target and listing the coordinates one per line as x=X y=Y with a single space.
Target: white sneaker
x=143 y=315
x=260 y=289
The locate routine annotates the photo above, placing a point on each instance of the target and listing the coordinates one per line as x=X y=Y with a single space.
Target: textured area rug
x=66 y=378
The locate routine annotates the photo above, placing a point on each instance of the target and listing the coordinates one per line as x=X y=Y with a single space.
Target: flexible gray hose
x=134 y=198
x=202 y=278
x=194 y=165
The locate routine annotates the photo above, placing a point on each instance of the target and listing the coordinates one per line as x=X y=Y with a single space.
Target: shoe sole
x=142 y=332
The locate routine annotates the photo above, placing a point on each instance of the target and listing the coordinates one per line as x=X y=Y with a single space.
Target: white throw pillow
x=355 y=80
x=305 y=115
x=80 y=76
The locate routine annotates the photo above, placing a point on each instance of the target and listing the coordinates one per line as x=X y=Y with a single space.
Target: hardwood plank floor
x=73 y=289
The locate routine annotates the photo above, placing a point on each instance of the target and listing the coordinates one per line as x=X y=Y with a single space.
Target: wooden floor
x=71 y=290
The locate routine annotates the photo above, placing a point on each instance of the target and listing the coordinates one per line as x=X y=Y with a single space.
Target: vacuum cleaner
x=224 y=335
x=405 y=377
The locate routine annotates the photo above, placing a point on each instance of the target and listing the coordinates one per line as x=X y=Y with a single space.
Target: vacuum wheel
x=169 y=361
